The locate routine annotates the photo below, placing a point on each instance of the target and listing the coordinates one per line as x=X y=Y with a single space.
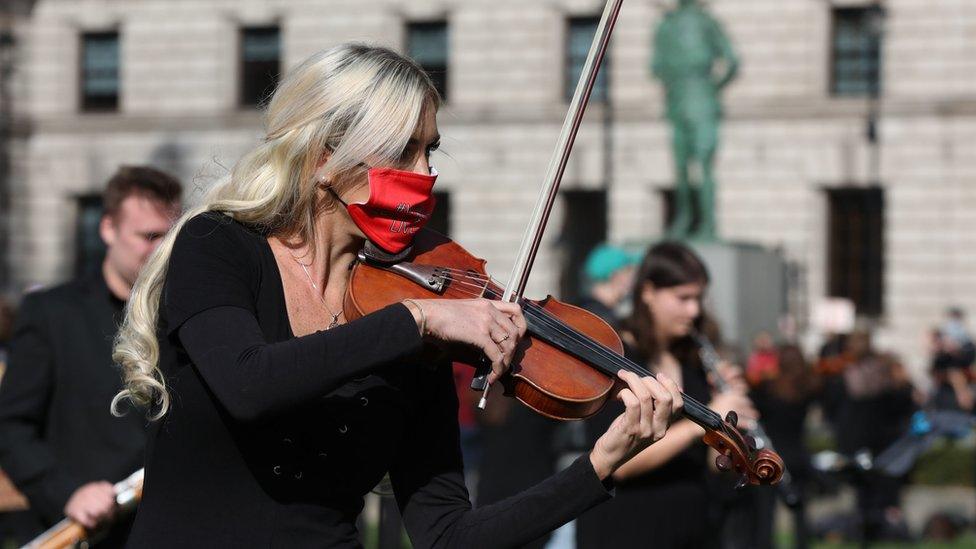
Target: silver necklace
x=335 y=316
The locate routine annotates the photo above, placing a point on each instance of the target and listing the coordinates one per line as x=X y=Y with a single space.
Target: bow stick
x=554 y=173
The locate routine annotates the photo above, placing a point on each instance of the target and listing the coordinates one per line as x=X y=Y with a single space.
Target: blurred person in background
x=7 y=316
x=955 y=331
x=609 y=276
x=875 y=410
x=783 y=401
x=59 y=442
x=662 y=494
x=952 y=356
x=833 y=359
x=16 y=521
x=763 y=362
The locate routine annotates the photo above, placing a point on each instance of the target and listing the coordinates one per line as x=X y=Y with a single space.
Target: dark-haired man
x=58 y=441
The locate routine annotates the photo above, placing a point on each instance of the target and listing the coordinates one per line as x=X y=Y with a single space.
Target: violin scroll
x=769 y=467
x=738 y=453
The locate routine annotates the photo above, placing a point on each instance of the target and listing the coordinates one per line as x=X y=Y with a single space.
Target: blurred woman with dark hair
x=877 y=406
x=662 y=492
x=783 y=401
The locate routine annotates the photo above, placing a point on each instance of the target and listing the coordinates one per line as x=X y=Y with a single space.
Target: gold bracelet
x=423 y=316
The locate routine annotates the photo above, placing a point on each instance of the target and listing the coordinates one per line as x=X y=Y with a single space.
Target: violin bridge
x=484 y=289
x=430 y=277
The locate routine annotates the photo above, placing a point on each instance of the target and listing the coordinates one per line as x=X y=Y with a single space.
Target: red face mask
x=399 y=205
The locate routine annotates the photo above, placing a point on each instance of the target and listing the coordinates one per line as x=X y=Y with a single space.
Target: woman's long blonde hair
x=360 y=103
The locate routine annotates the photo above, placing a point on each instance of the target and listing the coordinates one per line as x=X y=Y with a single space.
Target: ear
x=320 y=175
x=647 y=293
x=106 y=229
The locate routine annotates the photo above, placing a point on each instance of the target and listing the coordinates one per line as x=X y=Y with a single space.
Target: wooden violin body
x=543 y=377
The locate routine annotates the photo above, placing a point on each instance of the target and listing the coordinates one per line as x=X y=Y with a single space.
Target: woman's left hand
x=650 y=404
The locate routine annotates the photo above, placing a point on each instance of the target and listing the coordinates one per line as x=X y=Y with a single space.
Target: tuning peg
x=732 y=418
x=743 y=482
x=751 y=441
x=723 y=463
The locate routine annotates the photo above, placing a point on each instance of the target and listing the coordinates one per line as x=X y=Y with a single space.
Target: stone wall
x=785 y=140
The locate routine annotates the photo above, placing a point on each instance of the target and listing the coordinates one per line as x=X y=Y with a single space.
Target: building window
x=579 y=37
x=440 y=220
x=89 y=247
x=427 y=45
x=855 y=260
x=856 y=51
x=260 y=64
x=584 y=227
x=100 y=71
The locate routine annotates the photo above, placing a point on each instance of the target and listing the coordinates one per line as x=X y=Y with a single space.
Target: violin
x=566 y=366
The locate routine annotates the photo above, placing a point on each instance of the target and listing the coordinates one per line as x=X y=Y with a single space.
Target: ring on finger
x=501 y=340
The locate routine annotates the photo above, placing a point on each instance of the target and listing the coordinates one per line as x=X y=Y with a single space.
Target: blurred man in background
x=609 y=272
x=59 y=443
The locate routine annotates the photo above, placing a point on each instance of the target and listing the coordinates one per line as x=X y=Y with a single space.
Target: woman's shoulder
x=215 y=261
x=212 y=223
x=216 y=230
x=212 y=238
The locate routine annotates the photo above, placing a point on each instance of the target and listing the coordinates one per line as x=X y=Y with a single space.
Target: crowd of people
x=218 y=339
x=864 y=397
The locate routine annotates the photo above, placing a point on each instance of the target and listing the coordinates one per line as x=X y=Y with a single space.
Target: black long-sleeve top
x=272 y=440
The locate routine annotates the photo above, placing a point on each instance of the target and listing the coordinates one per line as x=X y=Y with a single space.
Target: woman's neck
x=663 y=339
x=333 y=248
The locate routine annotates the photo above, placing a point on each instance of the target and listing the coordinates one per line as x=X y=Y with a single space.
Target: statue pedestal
x=747 y=293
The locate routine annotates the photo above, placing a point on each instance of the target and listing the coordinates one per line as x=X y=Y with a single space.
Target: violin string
x=567 y=331
x=617 y=360
x=554 y=323
x=551 y=322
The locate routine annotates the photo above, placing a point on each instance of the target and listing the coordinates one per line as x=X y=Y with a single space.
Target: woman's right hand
x=494 y=327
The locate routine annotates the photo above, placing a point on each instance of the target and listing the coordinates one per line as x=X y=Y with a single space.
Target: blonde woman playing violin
x=272 y=415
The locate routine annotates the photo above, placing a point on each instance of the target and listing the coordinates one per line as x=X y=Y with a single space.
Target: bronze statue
x=687 y=46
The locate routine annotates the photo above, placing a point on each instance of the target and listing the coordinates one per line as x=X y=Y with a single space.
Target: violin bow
x=755 y=465
x=554 y=173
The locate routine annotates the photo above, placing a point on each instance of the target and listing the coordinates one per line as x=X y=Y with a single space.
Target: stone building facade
x=788 y=142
